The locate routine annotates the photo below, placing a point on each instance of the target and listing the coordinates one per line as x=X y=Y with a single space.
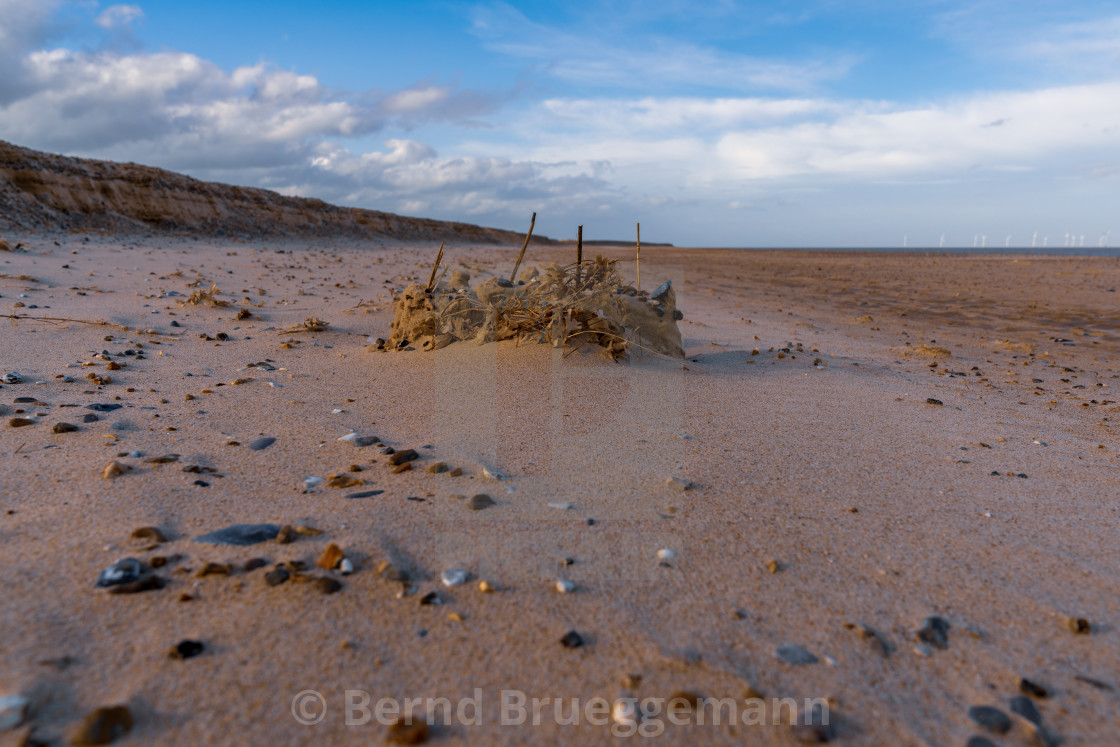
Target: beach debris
x=791 y=653
x=479 y=502
x=407 y=730
x=1079 y=625
x=565 y=587
x=125 y=570
x=624 y=712
x=12 y=377
x=261 y=443
x=13 y=708
x=572 y=639
x=991 y=718
x=327 y=585
x=331 y=557
x=240 y=535
x=208 y=296
x=104 y=726
x=454 y=577
x=186 y=649
x=277 y=576
x=21 y=422
x=934 y=631
x=65 y=428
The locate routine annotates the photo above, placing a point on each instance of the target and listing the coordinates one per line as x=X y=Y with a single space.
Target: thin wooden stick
x=513 y=275
x=58 y=319
x=638 y=259
x=432 y=277
x=579 y=254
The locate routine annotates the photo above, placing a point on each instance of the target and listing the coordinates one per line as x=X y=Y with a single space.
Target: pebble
x=571 y=639
x=286 y=535
x=12 y=377
x=875 y=639
x=1025 y=707
x=365 y=440
x=565 y=587
x=331 y=557
x=678 y=483
x=991 y=718
x=565 y=506
x=125 y=570
x=400 y=457
x=214 y=569
x=262 y=443
x=430 y=598
x=186 y=649
x=65 y=428
x=978 y=741
x=104 y=726
x=149 y=534
x=104 y=406
x=492 y=474
x=407 y=731
x=1079 y=625
x=13 y=708
x=932 y=401
x=364 y=494
x=310 y=482
x=793 y=654
x=666 y=554
x=115 y=468
x=453 y=577
x=20 y=422
x=406 y=467
x=485 y=587
x=147 y=583
x=1030 y=687
x=437 y=468
x=276 y=576
x=934 y=631
x=327 y=585
x=253 y=564
x=239 y=535
x=89 y=417
x=344 y=481
x=480 y=502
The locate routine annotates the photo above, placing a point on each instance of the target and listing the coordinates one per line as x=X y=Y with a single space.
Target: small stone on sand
x=186 y=649
x=104 y=726
x=793 y=654
x=991 y=718
x=240 y=535
x=262 y=443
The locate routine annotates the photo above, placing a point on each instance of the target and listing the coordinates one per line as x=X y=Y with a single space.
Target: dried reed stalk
x=524 y=246
x=432 y=277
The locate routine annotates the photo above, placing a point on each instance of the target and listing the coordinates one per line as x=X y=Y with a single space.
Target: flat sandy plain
x=827 y=493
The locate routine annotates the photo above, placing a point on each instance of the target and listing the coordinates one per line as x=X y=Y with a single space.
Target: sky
x=865 y=123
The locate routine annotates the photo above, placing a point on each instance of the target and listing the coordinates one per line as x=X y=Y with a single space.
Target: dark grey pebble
x=89 y=417
x=364 y=494
x=1032 y=688
x=187 y=649
x=991 y=718
x=147 y=583
x=1026 y=708
x=327 y=585
x=934 y=631
x=978 y=741
x=240 y=535
x=479 y=502
x=401 y=457
x=430 y=598
x=22 y=400
x=571 y=639
x=262 y=443
x=253 y=564
x=276 y=576
x=932 y=401
x=366 y=440
x=104 y=406
x=65 y=428
x=793 y=654
x=124 y=571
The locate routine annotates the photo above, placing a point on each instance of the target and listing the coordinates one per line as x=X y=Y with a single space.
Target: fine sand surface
x=825 y=495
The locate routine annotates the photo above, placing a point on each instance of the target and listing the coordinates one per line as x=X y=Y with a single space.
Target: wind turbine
x=1034 y=240
x=984 y=241
x=974 y=237
x=1007 y=241
x=941 y=244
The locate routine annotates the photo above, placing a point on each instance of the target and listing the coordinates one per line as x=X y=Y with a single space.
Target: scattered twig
x=524 y=246
x=432 y=277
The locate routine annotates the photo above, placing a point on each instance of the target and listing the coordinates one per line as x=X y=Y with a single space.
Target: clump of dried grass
x=210 y=296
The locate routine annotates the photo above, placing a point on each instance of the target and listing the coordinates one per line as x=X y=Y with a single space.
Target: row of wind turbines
x=1072 y=241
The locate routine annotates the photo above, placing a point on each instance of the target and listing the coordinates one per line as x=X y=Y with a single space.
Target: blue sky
x=817 y=123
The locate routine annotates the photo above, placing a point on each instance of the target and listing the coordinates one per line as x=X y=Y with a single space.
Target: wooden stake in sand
x=432 y=277
x=579 y=253
x=638 y=258
x=513 y=275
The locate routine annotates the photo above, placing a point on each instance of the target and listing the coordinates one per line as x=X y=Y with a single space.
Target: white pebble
x=310 y=482
x=678 y=483
x=336 y=410
x=349 y=436
x=346 y=567
x=625 y=711
x=565 y=587
x=11 y=378
x=666 y=554
x=565 y=506
x=492 y=474
x=453 y=577
x=12 y=710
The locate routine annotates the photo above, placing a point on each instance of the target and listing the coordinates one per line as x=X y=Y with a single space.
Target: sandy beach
x=853 y=444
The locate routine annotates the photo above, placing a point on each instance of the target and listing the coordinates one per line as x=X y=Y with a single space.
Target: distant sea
x=1084 y=251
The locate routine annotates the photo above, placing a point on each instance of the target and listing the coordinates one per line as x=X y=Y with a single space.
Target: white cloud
x=118 y=16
